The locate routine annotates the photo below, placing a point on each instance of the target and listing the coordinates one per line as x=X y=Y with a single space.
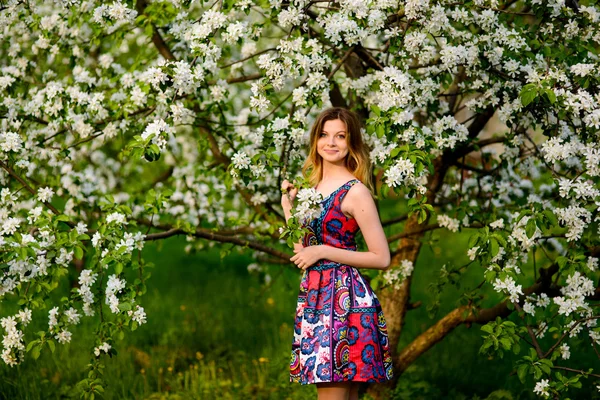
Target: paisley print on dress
x=340 y=332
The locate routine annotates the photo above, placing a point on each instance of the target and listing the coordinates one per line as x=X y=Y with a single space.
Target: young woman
x=340 y=335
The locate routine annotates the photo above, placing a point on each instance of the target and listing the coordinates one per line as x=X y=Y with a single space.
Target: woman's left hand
x=307 y=256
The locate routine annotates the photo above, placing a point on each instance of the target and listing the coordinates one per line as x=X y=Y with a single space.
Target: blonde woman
x=340 y=334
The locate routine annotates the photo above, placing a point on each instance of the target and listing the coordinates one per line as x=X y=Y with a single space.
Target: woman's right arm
x=287 y=200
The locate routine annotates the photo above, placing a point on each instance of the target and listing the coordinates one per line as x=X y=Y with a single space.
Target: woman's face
x=332 y=144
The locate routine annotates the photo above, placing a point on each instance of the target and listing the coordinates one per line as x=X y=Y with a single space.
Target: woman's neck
x=334 y=171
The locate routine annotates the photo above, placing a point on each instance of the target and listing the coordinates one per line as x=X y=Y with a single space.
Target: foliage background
x=217 y=331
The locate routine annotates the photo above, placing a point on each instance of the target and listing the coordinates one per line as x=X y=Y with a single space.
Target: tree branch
x=394 y=220
x=161 y=45
x=445 y=325
x=28 y=187
x=220 y=238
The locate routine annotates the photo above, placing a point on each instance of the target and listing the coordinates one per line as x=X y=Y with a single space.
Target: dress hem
x=351 y=380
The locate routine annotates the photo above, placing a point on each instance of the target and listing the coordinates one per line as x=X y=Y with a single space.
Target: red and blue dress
x=340 y=333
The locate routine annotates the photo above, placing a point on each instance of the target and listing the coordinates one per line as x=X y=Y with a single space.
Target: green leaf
x=531 y=227
x=528 y=94
x=551 y=217
x=52 y=345
x=35 y=351
x=78 y=252
x=31 y=344
x=422 y=216
x=376 y=110
x=494 y=247
x=562 y=261
x=522 y=372
x=118 y=268
x=551 y=95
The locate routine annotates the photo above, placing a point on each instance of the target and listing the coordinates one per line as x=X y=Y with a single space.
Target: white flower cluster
x=10 y=225
x=446 y=132
x=116 y=13
x=396 y=276
x=117 y=218
x=290 y=17
x=381 y=148
x=541 y=388
x=259 y=101
x=157 y=130
x=390 y=88
x=63 y=336
x=519 y=234
x=131 y=242
x=113 y=287
x=239 y=160
x=138 y=315
x=472 y=252
x=86 y=279
x=105 y=347
x=10 y=141
x=401 y=173
x=452 y=56
x=577 y=188
x=45 y=194
x=576 y=220
x=309 y=204
x=556 y=149
x=532 y=301
x=255 y=267
x=497 y=224
x=582 y=69
x=573 y=299
x=592 y=263
x=565 y=351
x=185 y=78
x=197 y=34
x=508 y=286
x=452 y=224
x=12 y=353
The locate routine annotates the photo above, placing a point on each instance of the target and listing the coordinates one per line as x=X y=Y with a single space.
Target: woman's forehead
x=334 y=125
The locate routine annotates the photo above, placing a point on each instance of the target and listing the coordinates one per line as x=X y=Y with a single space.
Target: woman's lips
x=331 y=151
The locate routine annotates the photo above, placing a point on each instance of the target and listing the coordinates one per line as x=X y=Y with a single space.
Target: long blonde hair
x=357 y=161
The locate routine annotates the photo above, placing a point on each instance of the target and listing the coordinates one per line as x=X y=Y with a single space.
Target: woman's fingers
x=287 y=185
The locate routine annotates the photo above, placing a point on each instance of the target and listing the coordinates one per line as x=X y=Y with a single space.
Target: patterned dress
x=340 y=333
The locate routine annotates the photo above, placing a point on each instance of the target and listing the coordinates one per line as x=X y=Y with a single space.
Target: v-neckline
x=335 y=191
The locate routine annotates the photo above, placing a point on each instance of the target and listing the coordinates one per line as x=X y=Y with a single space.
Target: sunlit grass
x=213 y=332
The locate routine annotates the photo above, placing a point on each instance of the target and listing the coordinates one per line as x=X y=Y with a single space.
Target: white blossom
x=451 y=224
x=541 y=388
x=45 y=194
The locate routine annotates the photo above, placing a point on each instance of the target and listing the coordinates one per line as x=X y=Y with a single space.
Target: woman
x=340 y=335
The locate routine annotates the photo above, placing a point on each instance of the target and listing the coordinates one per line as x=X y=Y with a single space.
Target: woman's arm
x=359 y=203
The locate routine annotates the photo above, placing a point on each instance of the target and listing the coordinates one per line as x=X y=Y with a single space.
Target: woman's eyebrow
x=336 y=132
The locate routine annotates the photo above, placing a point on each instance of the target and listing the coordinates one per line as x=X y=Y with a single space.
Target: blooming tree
x=125 y=122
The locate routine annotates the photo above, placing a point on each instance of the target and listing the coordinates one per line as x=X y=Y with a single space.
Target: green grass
x=214 y=332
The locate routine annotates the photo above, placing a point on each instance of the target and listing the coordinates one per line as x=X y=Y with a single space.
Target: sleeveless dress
x=340 y=332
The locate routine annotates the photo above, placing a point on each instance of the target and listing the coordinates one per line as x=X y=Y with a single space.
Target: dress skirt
x=340 y=332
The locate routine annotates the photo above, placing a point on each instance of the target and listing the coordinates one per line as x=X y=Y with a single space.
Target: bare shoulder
x=359 y=191
x=358 y=195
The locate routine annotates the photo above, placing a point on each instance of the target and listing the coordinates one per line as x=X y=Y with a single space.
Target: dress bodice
x=332 y=227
